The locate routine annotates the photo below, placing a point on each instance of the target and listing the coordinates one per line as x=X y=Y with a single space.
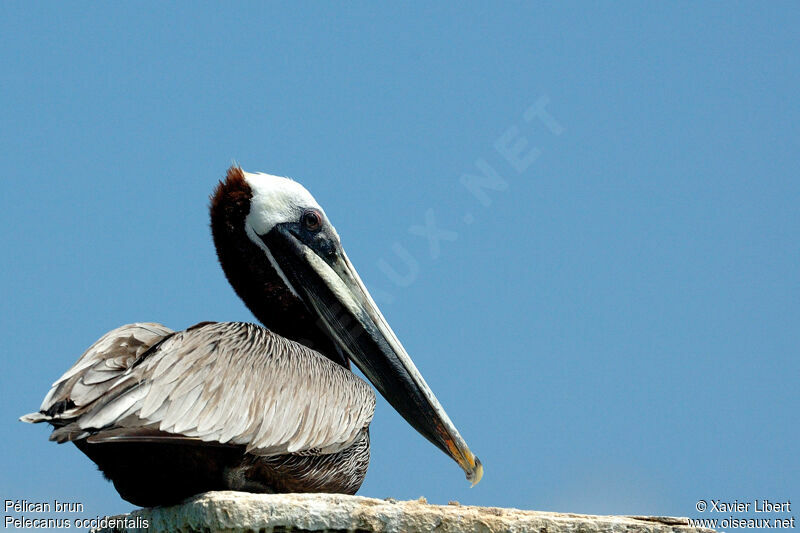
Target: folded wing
x=226 y=383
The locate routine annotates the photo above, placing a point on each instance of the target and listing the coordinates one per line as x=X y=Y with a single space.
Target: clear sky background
x=613 y=330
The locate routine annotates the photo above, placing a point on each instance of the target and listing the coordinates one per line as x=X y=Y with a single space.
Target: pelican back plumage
x=269 y=413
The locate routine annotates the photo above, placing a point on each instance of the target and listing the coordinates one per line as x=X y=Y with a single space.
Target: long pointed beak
x=333 y=289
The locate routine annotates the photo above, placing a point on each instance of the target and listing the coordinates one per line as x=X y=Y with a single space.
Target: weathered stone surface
x=232 y=512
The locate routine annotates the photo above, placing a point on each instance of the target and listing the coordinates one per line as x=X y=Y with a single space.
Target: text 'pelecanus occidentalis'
x=233 y=406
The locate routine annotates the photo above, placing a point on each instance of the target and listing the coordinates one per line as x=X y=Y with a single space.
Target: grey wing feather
x=95 y=371
x=230 y=383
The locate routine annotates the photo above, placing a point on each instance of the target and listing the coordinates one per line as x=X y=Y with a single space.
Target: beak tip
x=475 y=475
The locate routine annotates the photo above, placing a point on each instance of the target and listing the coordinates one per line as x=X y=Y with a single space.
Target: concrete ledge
x=233 y=512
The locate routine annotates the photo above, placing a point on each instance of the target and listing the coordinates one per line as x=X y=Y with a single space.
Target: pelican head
x=260 y=220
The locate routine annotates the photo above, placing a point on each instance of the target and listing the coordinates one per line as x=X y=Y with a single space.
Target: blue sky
x=613 y=327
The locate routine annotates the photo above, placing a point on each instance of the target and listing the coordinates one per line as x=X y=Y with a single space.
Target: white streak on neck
x=251 y=233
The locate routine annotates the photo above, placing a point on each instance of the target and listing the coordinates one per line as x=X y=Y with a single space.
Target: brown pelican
x=235 y=406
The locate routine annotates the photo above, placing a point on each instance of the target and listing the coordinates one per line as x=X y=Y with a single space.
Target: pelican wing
x=227 y=383
x=96 y=371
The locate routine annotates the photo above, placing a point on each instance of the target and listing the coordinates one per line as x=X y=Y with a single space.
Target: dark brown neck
x=252 y=276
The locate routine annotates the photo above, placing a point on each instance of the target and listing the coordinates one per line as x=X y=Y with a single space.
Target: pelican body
x=235 y=406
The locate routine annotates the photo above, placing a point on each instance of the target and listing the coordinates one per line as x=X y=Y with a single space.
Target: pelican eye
x=311 y=220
